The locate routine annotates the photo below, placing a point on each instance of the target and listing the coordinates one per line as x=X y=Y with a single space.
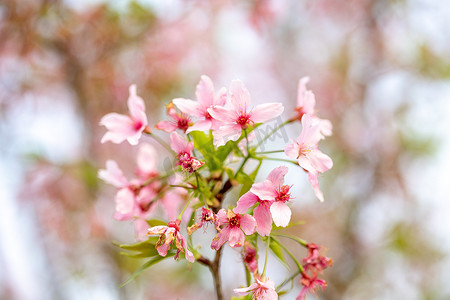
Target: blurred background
x=380 y=70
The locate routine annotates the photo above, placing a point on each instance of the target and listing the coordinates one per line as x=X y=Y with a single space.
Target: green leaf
x=278 y=251
x=148 y=264
x=141 y=246
x=155 y=222
x=294 y=238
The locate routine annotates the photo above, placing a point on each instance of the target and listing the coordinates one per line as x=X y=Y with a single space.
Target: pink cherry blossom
x=262 y=290
x=236 y=225
x=306 y=102
x=250 y=257
x=183 y=148
x=206 y=98
x=130 y=128
x=313 y=264
x=168 y=234
x=310 y=285
x=277 y=194
x=240 y=116
x=207 y=217
x=179 y=120
x=306 y=151
x=261 y=213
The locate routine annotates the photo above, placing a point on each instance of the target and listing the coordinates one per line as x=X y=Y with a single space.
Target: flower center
x=283 y=193
x=235 y=222
x=183 y=123
x=174 y=224
x=137 y=125
x=243 y=120
x=208 y=116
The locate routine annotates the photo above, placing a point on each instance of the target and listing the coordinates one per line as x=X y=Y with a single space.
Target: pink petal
x=220 y=238
x=277 y=175
x=281 y=213
x=310 y=134
x=264 y=190
x=188 y=254
x=222 y=114
x=245 y=202
x=221 y=98
x=222 y=217
x=147 y=159
x=125 y=202
x=301 y=90
x=237 y=237
x=240 y=97
x=326 y=128
x=190 y=107
x=230 y=132
x=263 y=219
x=136 y=106
x=305 y=163
x=246 y=290
x=202 y=125
x=320 y=161
x=162 y=250
x=178 y=143
x=248 y=224
x=120 y=127
x=171 y=202
x=141 y=228
x=157 y=230
x=265 y=112
x=292 y=150
x=313 y=180
x=113 y=175
x=205 y=91
x=166 y=126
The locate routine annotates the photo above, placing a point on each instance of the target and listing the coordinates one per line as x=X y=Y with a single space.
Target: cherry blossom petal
x=120 y=127
x=281 y=213
x=147 y=159
x=220 y=238
x=237 y=237
x=125 y=202
x=113 y=175
x=263 y=219
x=222 y=114
x=267 y=111
x=320 y=161
x=305 y=163
x=222 y=217
x=310 y=134
x=190 y=107
x=276 y=176
x=136 y=106
x=221 y=98
x=246 y=290
x=202 y=125
x=162 y=250
x=156 y=230
x=205 y=91
x=230 y=132
x=245 y=202
x=141 y=228
x=248 y=224
x=313 y=180
x=292 y=150
x=170 y=202
x=178 y=143
x=240 y=97
x=264 y=190
x=166 y=126
x=188 y=254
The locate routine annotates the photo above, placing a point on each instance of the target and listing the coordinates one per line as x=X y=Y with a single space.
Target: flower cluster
x=208 y=136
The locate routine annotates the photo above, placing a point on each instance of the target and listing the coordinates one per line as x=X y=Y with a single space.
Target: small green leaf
x=148 y=264
x=278 y=251
x=155 y=222
x=141 y=246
